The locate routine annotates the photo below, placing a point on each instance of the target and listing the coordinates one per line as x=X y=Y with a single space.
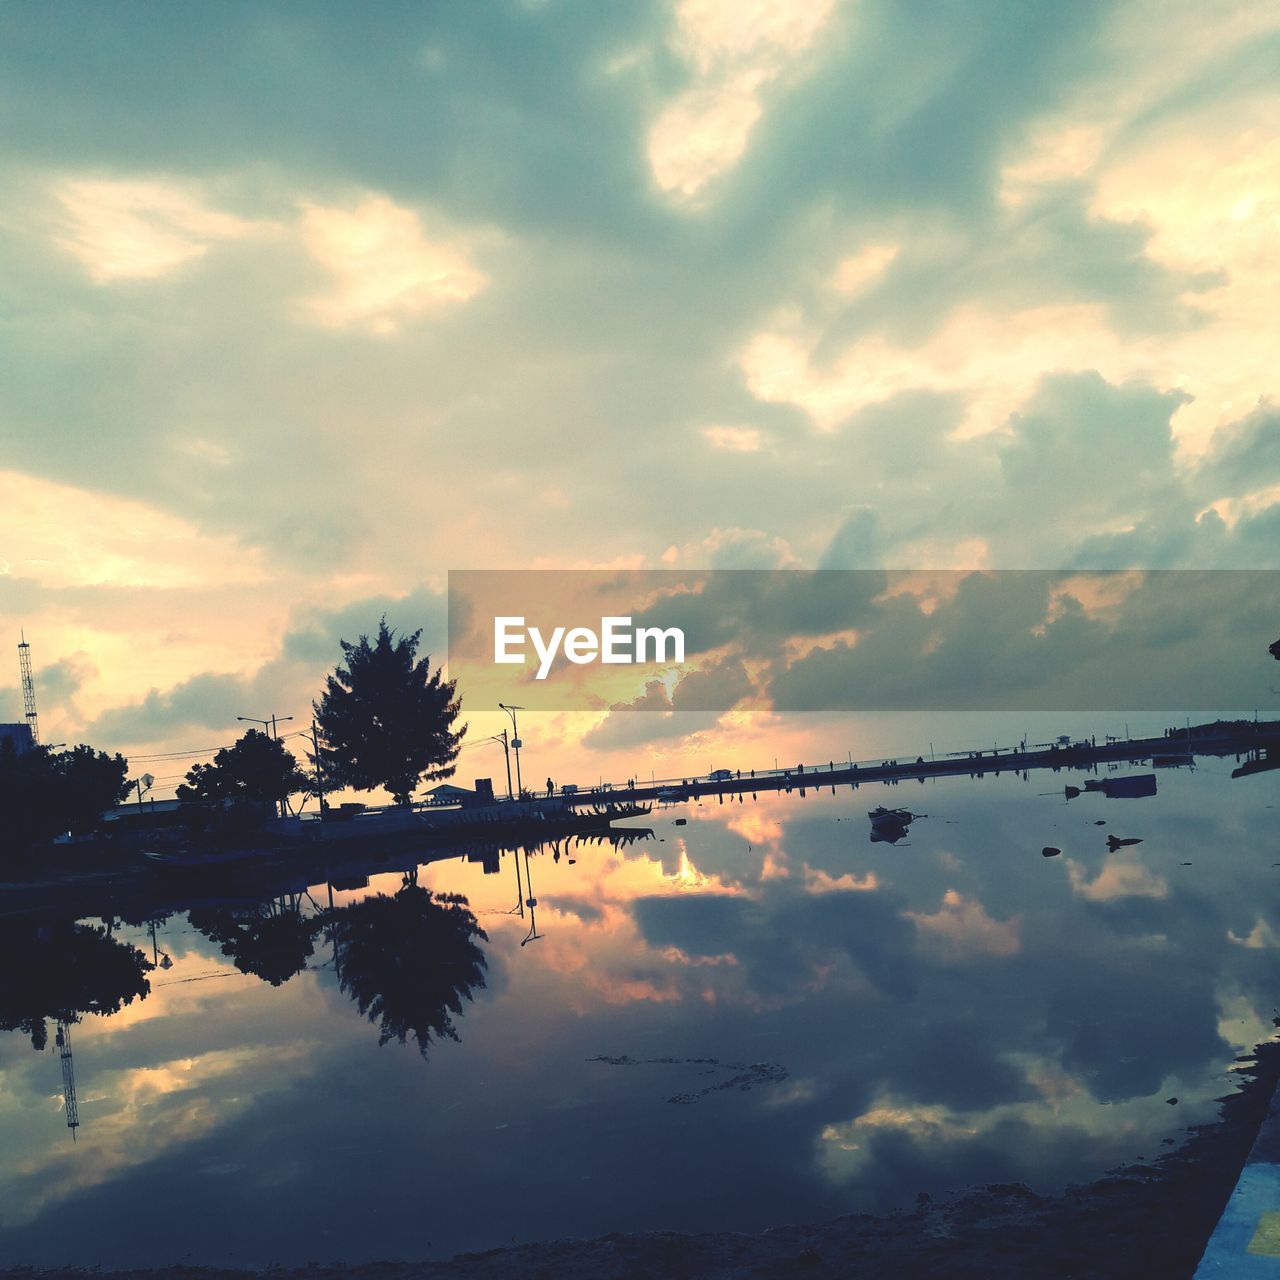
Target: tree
x=271 y=940
x=92 y=783
x=409 y=961
x=57 y=972
x=255 y=768
x=386 y=720
x=45 y=793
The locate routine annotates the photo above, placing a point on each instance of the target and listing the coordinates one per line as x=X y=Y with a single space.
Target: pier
x=1256 y=743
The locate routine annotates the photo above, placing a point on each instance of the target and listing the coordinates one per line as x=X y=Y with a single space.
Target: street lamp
x=143 y=784
x=267 y=724
x=515 y=742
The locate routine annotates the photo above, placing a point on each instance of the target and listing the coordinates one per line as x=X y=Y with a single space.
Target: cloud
x=624 y=725
x=1120 y=877
x=732 y=549
x=735 y=51
x=962 y=929
x=1244 y=456
x=818 y=881
x=735 y=439
x=142 y=229
x=385 y=270
x=67 y=536
x=285 y=683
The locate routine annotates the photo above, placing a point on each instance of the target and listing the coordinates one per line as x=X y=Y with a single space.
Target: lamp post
x=270 y=725
x=515 y=741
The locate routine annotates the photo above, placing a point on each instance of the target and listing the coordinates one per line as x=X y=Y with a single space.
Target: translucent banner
x=823 y=640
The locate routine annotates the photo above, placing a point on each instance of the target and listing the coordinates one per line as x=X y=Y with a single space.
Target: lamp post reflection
x=531 y=902
x=519 y=907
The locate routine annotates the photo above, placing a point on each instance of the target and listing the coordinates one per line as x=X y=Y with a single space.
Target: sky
x=304 y=306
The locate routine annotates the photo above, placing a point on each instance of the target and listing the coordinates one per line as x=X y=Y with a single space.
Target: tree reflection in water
x=271 y=940
x=58 y=972
x=409 y=961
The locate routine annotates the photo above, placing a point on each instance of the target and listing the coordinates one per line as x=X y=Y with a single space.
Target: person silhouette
x=551 y=787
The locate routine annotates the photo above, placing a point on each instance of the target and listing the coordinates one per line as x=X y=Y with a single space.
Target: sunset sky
x=306 y=305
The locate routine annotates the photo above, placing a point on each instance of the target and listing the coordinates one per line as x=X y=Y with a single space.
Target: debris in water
x=1049 y=851
x=1173 y=1102
x=746 y=1076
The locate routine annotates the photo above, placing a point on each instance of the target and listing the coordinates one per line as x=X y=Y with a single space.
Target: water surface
x=756 y=1017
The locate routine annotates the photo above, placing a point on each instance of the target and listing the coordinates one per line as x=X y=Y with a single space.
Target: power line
x=203 y=751
x=178 y=755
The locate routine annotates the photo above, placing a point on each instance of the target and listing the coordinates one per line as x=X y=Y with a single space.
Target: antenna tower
x=28 y=687
x=63 y=1041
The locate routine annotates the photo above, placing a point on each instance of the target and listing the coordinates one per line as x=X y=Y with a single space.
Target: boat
x=880 y=815
x=888 y=826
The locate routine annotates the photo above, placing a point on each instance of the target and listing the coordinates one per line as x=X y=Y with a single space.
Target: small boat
x=881 y=815
x=888 y=826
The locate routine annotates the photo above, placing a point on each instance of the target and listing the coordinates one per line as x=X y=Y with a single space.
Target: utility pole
x=515 y=742
x=506 y=750
x=315 y=742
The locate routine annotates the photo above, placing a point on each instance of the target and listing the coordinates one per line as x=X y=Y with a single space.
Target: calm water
x=757 y=1017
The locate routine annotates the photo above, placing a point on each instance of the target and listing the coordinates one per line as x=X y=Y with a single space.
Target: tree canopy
x=409 y=961
x=386 y=719
x=44 y=793
x=256 y=767
x=58 y=972
x=272 y=940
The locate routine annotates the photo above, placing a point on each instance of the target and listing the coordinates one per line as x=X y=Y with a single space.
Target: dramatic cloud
x=340 y=305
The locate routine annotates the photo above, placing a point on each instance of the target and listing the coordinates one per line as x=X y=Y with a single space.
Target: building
x=18 y=736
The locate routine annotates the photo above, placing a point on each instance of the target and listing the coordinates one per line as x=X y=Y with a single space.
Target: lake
x=754 y=1017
